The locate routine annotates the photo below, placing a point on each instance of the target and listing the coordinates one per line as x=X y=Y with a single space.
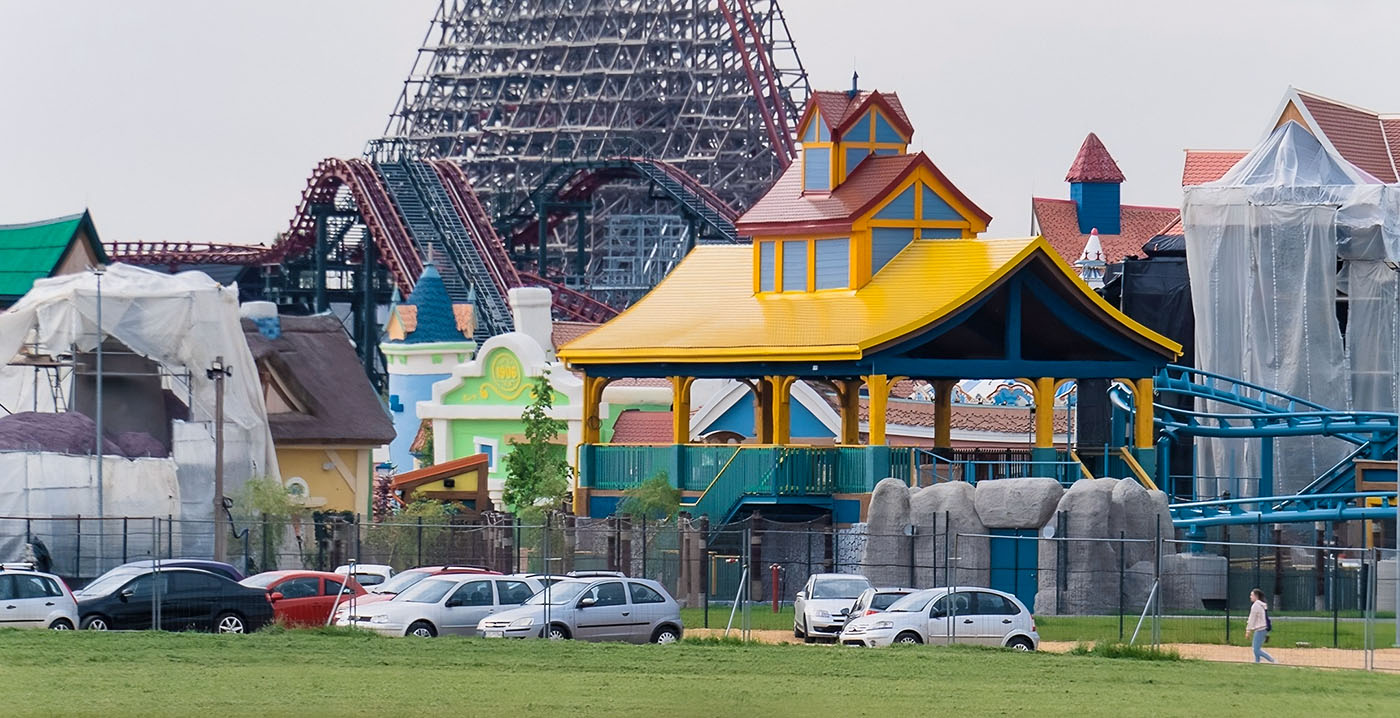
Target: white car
x=821 y=607
x=979 y=616
x=636 y=610
x=33 y=599
x=368 y=574
x=449 y=604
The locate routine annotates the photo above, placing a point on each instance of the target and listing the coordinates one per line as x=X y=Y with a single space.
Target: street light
x=98 y=271
x=217 y=372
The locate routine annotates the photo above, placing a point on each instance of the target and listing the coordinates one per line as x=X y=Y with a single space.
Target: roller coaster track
x=1264 y=413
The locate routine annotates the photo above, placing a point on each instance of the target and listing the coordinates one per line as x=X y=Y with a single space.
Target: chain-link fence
x=1329 y=606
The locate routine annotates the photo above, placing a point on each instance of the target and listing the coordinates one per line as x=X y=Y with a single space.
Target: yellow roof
x=706 y=309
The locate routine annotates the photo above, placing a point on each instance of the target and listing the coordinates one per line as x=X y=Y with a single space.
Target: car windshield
x=262 y=580
x=839 y=587
x=428 y=591
x=913 y=603
x=401 y=582
x=561 y=592
x=882 y=601
x=107 y=583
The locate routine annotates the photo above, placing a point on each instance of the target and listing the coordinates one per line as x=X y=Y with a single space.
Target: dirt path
x=1386 y=658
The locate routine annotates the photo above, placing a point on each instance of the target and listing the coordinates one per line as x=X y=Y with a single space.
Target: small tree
x=537 y=473
x=652 y=500
x=265 y=508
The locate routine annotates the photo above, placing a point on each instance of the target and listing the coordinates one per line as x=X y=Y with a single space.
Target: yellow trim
x=715 y=480
x=942 y=275
x=1136 y=468
x=1142 y=414
x=680 y=408
x=1044 y=413
x=1082 y=468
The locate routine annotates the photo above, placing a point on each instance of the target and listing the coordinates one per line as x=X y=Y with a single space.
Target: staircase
x=720 y=226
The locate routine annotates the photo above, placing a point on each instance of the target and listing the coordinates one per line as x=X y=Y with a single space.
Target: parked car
x=596 y=574
x=821 y=607
x=305 y=598
x=131 y=568
x=368 y=574
x=403 y=580
x=635 y=610
x=874 y=600
x=451 y=604
x=941 y=616
x=34 y=599
x=189 y=599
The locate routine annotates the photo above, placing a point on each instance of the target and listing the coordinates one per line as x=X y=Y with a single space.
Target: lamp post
x=98 y=271
x=217 y=372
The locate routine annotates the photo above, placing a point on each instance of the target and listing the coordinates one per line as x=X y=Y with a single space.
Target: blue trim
x=845 y=511
x=941 y=233
x=936 y=207
x=884 y=132
x=901 y=207
x=1099 y=206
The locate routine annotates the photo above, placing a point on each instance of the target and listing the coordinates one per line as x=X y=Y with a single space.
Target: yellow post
x=592 y=398
x=849 y=394
x=763 y=411
x=878 y=386
x=1045 y=413
x=680 y=409
x=1142 y=414
x=943 y=413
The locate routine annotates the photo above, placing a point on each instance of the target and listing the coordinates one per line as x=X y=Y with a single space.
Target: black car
x=189 y=600
x=132 y=568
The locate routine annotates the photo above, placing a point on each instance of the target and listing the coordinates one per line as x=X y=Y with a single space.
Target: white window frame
x=479 y=441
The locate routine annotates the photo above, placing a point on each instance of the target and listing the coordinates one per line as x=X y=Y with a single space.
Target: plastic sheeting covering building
x=1277 y=249
x=182 y=322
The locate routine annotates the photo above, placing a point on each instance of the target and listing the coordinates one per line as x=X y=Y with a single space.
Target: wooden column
x=1142 y=414
x=848 y=395
x=763 y=411
x=943 y=413
x=878 y=386
x=591 y=434
x=1045 y=413
x=680 y=409
x=781 y=413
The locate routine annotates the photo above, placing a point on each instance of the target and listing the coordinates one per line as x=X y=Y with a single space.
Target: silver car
x=33 y=599
x=821 y=607
x=449 y=604
x=944 y=615
x=635 y=610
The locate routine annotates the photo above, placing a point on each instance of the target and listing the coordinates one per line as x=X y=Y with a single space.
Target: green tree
x=653 y=499
x=265 y=508
x=537 y=472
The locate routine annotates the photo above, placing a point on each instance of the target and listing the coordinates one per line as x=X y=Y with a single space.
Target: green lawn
x=1288 y=629
x=45 y=673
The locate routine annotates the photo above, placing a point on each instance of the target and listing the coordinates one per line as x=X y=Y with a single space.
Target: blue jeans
x=1259 y=653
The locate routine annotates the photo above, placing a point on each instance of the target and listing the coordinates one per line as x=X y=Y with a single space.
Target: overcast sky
x=189 y=120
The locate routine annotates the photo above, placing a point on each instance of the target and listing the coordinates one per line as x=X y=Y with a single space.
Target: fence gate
x=1014 y=560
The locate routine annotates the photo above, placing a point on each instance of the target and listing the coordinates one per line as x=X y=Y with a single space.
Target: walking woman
x=1258 y=625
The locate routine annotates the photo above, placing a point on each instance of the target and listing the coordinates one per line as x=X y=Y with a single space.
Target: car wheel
x=61 y=624
x=807 y=634
x=797 y=632
x=666 y=634
x=421 y=629
x=908 y=638
x=95 y=623
x=230 y=623
x=557 y=632
x=1020 y=643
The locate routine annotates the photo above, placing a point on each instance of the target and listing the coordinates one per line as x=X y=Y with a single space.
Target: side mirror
x=275 y=596
x=801 y=595
x=586 y=602
x=127 y=593
x=454 y=603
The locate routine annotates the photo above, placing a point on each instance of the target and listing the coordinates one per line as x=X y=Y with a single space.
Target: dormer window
x=816 y=155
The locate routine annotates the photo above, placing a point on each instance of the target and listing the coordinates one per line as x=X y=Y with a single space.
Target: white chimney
x=531 y=308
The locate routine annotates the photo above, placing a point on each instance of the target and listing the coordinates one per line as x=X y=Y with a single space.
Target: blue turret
x=1095 y=182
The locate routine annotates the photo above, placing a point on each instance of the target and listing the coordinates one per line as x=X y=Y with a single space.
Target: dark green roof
x=32 y=251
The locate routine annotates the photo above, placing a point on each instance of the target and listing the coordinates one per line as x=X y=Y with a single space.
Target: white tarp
x=182 y=322
x=1263 y=247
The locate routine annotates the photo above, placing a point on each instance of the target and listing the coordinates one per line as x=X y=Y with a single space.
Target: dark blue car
x=172 y=599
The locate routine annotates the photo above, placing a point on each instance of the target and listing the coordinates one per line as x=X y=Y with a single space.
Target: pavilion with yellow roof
x=865 y=268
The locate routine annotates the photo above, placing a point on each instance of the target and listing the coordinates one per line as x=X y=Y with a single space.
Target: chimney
x=264 y=315
x=531 y=307
x=855 y=85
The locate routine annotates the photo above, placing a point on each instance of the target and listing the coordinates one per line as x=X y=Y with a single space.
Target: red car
x=402 y=580
x=304 y=598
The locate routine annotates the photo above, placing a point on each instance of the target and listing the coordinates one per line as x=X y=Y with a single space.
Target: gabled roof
x=706 y=311
x=1358 y=134
x=785 y=205
x=410 y=480
x=1093 y=163
x=1058 y=222
x=1204 y=166
x=34 y=250
x=314 y=361
x=635 y=426
x=839 y=110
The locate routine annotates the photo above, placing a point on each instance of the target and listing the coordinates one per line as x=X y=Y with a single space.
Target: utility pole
x=218 y=372
x=99 y=270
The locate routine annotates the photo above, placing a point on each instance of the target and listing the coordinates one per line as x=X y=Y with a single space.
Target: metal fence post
x=78 y=548
x=1122 y=562
x=420 y=542
x=170 y=535
x=357 y=537
x=644 y=550
x=1332 y=596
x=125 y=531
x=1157 y=578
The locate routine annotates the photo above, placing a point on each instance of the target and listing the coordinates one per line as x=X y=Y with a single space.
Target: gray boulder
x=1089 y=584
x=942 y=512
x=887 y=544
x=1017 y=503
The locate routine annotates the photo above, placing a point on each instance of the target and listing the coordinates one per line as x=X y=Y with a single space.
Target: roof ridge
x=43 y=222
x=1340 y=103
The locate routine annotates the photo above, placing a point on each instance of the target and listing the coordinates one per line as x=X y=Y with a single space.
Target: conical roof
x=1094 y=163
x=436 y=322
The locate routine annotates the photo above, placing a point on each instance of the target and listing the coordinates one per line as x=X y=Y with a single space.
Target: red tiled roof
x=1058 y=220
x=996 y=419
x=445 y=470
x=1093 y=163
x=642 y=427
x=1204 y=166
x=1358 y=135
x=565 y=332
x=785 y=205
x=838 y=109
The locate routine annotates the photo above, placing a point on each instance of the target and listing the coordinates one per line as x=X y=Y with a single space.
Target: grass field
x=1288 y=629
x=295 y=673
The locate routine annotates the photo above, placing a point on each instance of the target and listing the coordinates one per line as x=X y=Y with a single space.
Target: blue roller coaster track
x=1244 y=410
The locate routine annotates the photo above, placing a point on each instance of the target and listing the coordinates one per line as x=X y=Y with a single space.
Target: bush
x=1104 y=649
